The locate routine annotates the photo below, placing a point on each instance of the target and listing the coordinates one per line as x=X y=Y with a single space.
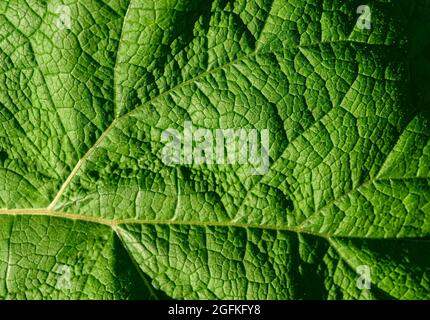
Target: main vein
x=114 y=223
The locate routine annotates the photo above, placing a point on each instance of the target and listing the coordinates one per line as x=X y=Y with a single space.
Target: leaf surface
x=86 y=196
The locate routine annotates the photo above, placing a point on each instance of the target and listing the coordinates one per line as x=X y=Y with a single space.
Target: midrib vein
x=115 y=223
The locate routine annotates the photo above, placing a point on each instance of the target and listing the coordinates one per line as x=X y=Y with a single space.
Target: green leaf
x=91 y=211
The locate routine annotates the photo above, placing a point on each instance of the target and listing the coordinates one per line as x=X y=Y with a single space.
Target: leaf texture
x=82 y=181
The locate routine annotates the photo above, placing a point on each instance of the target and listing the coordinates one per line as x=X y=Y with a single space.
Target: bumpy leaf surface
x=90 y=210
